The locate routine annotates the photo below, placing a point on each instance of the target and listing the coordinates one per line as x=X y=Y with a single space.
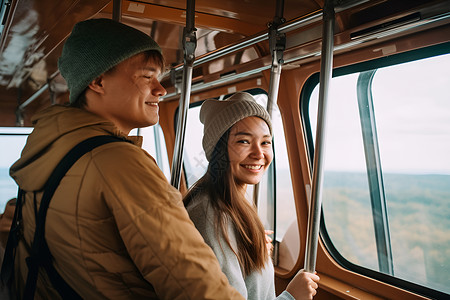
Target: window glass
x=194 y=159
x=285 y=203
x=411 y=110
x=12 y=141
x=155 y=144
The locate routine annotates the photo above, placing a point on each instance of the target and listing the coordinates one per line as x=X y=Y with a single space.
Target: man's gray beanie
x=94 y=47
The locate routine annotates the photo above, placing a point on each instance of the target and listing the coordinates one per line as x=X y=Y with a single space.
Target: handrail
x=189 y=44
x=33 y=97
x=286 y=27
x=315 y=206
x=254 y=39
x=158 y=150
x=277 y=44
x=259 y=37
x=340 y=47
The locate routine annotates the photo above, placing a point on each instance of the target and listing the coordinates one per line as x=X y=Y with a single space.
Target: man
x=115 y=227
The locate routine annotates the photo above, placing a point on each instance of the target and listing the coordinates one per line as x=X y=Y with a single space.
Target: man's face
x=131 y=92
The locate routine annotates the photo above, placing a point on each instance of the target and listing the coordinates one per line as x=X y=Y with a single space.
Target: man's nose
x=157 y=89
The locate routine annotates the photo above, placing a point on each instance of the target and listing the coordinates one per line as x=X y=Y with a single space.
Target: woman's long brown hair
x=229 y=203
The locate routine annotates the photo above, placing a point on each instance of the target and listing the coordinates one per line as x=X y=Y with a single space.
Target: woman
x=238 y=145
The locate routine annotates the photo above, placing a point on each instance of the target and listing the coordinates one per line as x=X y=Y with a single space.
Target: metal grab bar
x=283 y=28
x=277 y=44
x=341 y=47
x=315 y=206
x=189 y=44
x=288 y=26
x=297 y=23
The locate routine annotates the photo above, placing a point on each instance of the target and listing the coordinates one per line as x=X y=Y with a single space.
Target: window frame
x=305 y=96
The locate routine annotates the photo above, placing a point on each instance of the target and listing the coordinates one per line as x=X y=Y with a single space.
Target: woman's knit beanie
x=218 y=116
x=94 y=47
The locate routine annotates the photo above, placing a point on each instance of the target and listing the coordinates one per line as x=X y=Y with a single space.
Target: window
x=386 y=169
x=12 y=141
x=155 y=145
x=195 y=165
x=194 y=159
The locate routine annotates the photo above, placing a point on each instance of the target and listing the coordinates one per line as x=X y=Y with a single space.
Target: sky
x=412 y=112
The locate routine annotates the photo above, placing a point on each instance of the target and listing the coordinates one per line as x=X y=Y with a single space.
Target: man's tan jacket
x=115 y=227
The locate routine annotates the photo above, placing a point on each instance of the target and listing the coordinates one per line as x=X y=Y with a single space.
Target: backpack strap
x=40 y=255
x=15 y=234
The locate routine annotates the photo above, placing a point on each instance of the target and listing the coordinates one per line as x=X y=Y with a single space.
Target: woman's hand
x=269 y=244
x=303 y=286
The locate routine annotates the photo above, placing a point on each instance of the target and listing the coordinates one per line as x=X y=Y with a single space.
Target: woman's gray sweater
x=259 y=285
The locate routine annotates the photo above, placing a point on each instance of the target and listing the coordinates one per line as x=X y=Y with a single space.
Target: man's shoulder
x=120 y=147
x=129 y=163
x=123 y=154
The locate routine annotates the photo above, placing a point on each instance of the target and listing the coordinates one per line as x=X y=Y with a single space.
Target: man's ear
x=97 y=85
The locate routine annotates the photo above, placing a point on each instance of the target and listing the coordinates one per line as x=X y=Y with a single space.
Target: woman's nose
x=257 y=151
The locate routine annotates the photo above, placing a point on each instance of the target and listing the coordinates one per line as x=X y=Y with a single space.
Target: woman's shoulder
x=200 y=211
x=199 y=204
x=204 y=216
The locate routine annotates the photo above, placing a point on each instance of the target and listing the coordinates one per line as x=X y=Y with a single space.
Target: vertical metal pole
x=316 y=197
x=189 y=44
x=277 y=44
x=117 y=10
x=274 y=84
x=158 y=151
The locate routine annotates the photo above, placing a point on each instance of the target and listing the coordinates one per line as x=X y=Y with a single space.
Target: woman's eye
x=267 y=142
x=243 y=141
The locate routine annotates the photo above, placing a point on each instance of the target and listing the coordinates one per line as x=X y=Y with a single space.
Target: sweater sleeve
x=157 y=232
x=285 y=295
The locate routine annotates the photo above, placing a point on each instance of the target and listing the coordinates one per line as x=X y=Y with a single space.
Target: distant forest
x=419 y=222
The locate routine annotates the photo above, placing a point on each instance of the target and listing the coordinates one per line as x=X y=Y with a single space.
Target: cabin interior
x=33 y=33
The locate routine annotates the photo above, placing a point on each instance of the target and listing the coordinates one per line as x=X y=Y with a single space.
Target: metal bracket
x=189 y=45
x=277 y=41
x=277 y=44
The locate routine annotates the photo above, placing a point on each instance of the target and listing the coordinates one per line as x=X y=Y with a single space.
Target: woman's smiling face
x=249 y=150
